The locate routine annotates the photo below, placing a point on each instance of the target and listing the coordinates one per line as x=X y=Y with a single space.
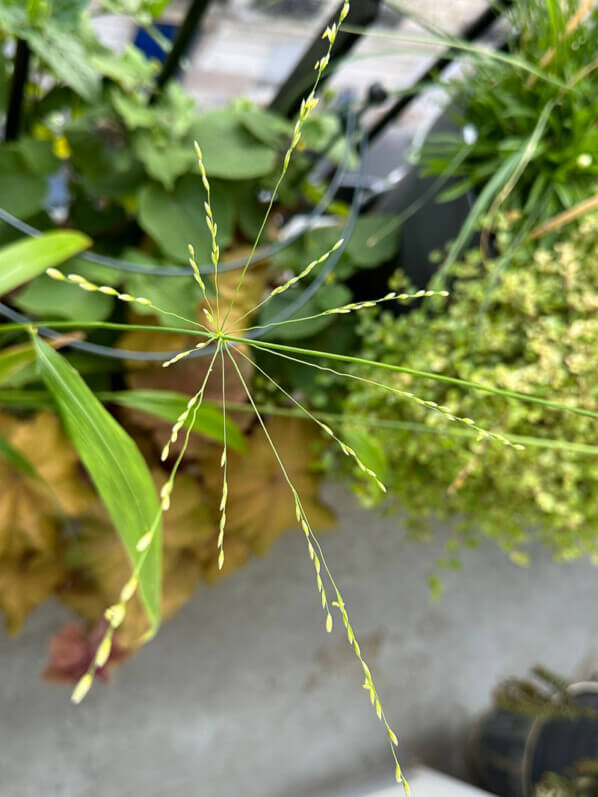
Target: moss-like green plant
x=582 y=784
x=531 y=328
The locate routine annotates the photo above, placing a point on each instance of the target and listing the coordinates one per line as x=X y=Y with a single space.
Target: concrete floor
x=244 y=692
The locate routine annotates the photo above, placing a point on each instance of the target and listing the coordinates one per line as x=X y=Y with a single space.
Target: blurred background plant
x=499 y=112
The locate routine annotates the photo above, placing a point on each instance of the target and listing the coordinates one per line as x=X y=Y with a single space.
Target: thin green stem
x=317 y=556
x=102 y=325
x=513 y=394
x=412 y=426
x=224 y=465
x=431 y=405
x=346 y=449
x=306 y=107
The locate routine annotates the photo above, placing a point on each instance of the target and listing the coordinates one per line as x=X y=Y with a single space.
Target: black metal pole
x=288 y=98
x=181 y=44
x=17 y=91
x=475 y=28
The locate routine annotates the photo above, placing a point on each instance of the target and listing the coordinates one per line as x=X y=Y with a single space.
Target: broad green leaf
x=178 y=295
x=38 y=156
x=25 y=399
x=331 y=294
x=320 y=130
x=229 y=150
x=176 y=218
x=24 y=260
x=168 y=405
x=67 y=57
x=374 y=240
x=47 y=298
x=134 y=113
x=164 y=162
x=115 y=465
x=66 y=12
x=369 y=449
x=267 y=127
x=108 y=171
x=131 y=69
x=22 y=194
x=175 y=112
x=14 y=359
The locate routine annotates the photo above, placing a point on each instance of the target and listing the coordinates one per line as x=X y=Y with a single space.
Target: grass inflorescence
x=225 y=337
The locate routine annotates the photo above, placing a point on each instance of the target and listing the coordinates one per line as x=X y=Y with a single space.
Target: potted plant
x=540 y=738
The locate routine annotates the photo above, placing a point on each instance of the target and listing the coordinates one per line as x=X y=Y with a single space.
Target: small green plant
x=530 y=328
x=584 y=783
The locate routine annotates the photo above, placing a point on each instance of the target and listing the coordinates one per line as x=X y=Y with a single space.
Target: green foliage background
x=532 y=328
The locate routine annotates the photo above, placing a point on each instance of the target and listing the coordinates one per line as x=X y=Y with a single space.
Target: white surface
x=427 y=783
x=245 y=693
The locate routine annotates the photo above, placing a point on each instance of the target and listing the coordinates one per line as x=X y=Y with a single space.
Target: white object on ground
x=428 y=783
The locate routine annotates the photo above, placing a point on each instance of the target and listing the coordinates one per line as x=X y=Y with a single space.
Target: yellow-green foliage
x=531 y=326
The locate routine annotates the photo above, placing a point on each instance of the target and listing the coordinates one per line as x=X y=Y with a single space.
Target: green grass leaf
x=24 y=260
x=491 y=189
x=14 y=359
x=67 y=57
x=168 y=405
x=229 y=150
x=115 y=465
x=14 y=456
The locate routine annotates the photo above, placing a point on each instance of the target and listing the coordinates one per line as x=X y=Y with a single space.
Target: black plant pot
x=430 y=228
x=510 y=752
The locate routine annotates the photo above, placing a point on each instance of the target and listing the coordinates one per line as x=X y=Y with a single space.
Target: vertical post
x=472 y=31
x=17 y=91
x=181 y=44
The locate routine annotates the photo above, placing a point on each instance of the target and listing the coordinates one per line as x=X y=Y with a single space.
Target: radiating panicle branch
x=346 y=308
x=224 y=466
x=196 y=272
x=352 y=306
x=346 y=449
x=115 y=614
x=307 y=106
x=431 y=405
x=212 y=227
x=183 y=354
x=84 y=284
x=320 y=565
x=293 y=280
